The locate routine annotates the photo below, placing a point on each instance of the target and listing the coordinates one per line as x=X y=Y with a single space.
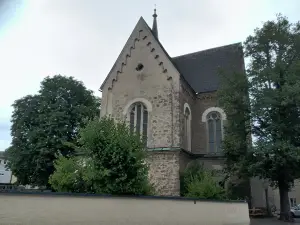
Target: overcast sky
x=82 y=38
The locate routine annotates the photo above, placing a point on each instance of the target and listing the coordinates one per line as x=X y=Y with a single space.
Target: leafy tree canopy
x=234 y=99
x=43 y=123
x=274 y=87
x=112 y=158
x=274 y=70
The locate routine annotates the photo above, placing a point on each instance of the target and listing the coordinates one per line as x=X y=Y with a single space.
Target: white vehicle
x=295 y=211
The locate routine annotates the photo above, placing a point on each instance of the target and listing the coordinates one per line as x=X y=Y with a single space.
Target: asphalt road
x=273 y=221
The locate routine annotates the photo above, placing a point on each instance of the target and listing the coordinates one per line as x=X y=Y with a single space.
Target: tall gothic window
x=214 y=126
x=139 y=120
x=187 y=129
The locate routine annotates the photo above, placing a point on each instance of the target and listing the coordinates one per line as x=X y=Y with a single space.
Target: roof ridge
x=207 y=50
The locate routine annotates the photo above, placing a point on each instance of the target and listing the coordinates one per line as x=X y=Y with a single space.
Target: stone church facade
x=171 y=101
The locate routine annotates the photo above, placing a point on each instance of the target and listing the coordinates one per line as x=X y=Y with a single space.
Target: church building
x=171 y=101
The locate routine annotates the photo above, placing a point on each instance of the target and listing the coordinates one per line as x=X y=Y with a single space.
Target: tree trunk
x=284 y=204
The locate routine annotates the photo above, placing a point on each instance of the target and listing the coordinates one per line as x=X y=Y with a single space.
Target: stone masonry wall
x=198 y=105
x=164 y=172
x=157 y=83
x=199 y=130
x=165 y=168
x=184 y=159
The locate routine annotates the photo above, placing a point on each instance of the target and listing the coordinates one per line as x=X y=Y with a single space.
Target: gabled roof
x=140 y=23
x=201 y=69
x=141 y=20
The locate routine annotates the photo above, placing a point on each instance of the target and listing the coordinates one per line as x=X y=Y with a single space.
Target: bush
x=202 y=183
x=114 y=161
x=194 y=168
x=205 y=187
x=69 y=176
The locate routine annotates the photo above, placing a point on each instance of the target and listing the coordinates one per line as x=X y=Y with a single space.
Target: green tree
x=274 y=72
x=233 y=97
x=115 y=160
x=274 y=86
x=43 y=123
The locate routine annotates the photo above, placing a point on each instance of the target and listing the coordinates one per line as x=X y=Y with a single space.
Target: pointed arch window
x=187 y=128
x=138 y=120
x=215 y=131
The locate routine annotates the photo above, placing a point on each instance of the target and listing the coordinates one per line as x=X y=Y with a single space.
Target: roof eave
x=102 y=85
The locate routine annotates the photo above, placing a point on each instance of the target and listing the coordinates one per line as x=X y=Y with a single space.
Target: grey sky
x=82 y=38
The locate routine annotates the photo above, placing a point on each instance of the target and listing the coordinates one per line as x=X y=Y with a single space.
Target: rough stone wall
x=199 y=133
x=184 y=160
x=213 y=163
x=164 y=169
x=210 y=163
x=158 y=83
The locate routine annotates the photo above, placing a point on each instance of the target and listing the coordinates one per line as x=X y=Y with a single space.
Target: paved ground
x=271 y=222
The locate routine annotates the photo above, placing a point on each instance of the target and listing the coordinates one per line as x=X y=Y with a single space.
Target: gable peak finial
x=154 y=15
x=154 y=26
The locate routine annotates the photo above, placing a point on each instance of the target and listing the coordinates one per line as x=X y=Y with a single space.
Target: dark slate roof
x=201 y=69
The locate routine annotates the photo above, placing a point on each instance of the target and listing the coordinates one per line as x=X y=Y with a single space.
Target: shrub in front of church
x=69 y=175
x=202 y=183
x=194 y=167
x=116 y=160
